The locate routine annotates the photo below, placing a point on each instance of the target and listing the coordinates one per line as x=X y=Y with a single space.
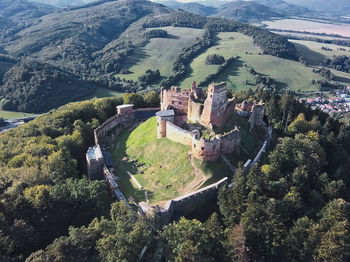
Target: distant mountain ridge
x=244 y=11
x=193 y=7
x=64 y=3
x=338 y=7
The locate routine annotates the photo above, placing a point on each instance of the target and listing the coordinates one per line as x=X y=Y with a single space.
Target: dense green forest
x=31 y=86
x=89 y=44
x=293 y=206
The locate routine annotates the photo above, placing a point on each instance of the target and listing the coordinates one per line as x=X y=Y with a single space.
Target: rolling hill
x=247 y=11
x=195 y=8
x=244 y=11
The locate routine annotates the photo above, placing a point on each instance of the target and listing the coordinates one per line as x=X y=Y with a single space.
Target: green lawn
x=160 y=53
x=11 y=114
x=161 y=166
x=288 y=74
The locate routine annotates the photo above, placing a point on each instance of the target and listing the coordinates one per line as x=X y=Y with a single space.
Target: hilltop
x=247 y=11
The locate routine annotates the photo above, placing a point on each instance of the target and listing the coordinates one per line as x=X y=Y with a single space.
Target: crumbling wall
x=230 y=142
x=195 y=111
x=206 y=150
x=177 y=134
x=109 y=130
x=257 y=116
x=176 y=99
x=186 y=203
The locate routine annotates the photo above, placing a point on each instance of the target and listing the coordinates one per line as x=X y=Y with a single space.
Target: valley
x=321 y=27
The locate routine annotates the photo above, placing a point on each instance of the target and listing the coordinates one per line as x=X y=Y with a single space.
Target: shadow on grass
x=279 y=85
x=341 y=79
x=137 y=57
x=312 y=57
x=172 y=36
x=218 y=170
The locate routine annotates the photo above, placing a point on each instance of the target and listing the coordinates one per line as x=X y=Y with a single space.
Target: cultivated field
x=160 y=53
x=161 y=166
x=288 y=74
x=309 y=26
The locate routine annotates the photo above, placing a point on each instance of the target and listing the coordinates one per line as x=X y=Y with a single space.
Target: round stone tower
x=162 y=118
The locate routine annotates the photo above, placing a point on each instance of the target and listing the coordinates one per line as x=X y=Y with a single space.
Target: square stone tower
x=215 y=105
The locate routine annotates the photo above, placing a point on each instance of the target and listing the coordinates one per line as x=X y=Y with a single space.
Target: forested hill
x=16 y=15
x=91 y=42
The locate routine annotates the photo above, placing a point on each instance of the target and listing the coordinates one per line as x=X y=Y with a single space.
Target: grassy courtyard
x=161 y=166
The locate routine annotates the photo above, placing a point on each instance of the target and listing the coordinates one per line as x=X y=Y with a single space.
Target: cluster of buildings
x=338 y=104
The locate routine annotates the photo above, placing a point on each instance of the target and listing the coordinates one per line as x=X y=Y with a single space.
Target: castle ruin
x=213 y=109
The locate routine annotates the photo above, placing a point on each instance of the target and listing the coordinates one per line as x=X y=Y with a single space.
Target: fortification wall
x=189 y=202
x=230 y=109
x=177 y=134
x=176 y=98
x=206 y=150
x=195 y=111
x=109 y=130
x=230 y=142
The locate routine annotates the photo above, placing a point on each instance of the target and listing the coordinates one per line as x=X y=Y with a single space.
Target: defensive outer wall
x=100 y=167
x=184 y=204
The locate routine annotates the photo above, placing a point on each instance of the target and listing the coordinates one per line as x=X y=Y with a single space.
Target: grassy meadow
x=286 y=73
x=315 y=56
x=11 y=114
x=160 y=53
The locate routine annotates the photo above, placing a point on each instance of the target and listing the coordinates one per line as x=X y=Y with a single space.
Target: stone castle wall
x=206 y=150
x=111 y=128
x=230 y=142
x=176 y=98
x=202 y=149
x=177 y=134
x=257 y=116
x=195 y=111
x=187 y=203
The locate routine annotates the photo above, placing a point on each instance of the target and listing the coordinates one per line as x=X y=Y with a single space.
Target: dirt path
x=198 y=180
